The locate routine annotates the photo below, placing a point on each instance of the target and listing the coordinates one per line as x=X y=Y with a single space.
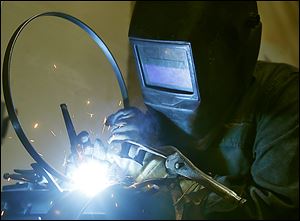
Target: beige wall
x=280 y=36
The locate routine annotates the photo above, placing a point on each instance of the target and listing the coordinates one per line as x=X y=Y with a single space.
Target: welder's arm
x=273 y=189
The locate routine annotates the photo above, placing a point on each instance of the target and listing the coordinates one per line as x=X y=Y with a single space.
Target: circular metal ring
x=7 y=91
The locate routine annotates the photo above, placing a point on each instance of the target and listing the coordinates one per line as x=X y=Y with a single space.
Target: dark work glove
x=132 y=124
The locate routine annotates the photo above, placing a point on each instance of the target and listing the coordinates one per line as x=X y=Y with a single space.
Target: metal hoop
x=7 y=91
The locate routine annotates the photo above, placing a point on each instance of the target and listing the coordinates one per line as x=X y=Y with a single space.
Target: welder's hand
x=132 y=124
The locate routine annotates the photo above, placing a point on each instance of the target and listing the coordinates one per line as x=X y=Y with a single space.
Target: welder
x=234 y=117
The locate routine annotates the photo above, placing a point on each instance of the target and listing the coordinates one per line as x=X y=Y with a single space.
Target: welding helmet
x=194 y=59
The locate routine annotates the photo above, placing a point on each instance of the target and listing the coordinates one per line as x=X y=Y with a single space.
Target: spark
x=8 y=179
x=40 y=154
x=103 y=129
x=116 y=204
x=91 y=114
x=35 y=125
x=65 y=160
x=104 y=120
x=120 y=103
x=88 y=102
x=53 y=133
x=54 y=66
x=32 y=141
x=108 y=128
x=112 y=195
x=2 y=212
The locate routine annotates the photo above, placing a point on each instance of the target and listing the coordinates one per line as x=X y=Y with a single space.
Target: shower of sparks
x=53 y=133
x=32 y=141
x=54 y=66
x=35 y=125
x=120 y=103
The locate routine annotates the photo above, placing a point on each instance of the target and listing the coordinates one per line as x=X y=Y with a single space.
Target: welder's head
x=194 y=59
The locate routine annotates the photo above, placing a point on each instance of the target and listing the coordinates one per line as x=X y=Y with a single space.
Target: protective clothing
x=234 y=118
x=255 y=152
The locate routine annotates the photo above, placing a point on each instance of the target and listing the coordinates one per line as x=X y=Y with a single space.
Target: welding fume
x=216 y=124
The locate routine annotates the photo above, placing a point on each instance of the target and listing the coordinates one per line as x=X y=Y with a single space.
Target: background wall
x=54 y=62
x=280 y=36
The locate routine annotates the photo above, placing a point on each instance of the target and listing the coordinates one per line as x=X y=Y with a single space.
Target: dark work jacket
x=257 y=155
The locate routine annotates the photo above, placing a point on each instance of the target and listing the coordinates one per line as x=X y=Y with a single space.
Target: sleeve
x=273 y=188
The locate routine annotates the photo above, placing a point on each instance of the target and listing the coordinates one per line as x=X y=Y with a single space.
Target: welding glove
x=132 y=124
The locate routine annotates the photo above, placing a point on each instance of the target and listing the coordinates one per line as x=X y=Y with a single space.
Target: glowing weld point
x=35 y=125
x=84 y=178
x=32 y=141
x=54 y=66
x=2 y=212
x=53 y=133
